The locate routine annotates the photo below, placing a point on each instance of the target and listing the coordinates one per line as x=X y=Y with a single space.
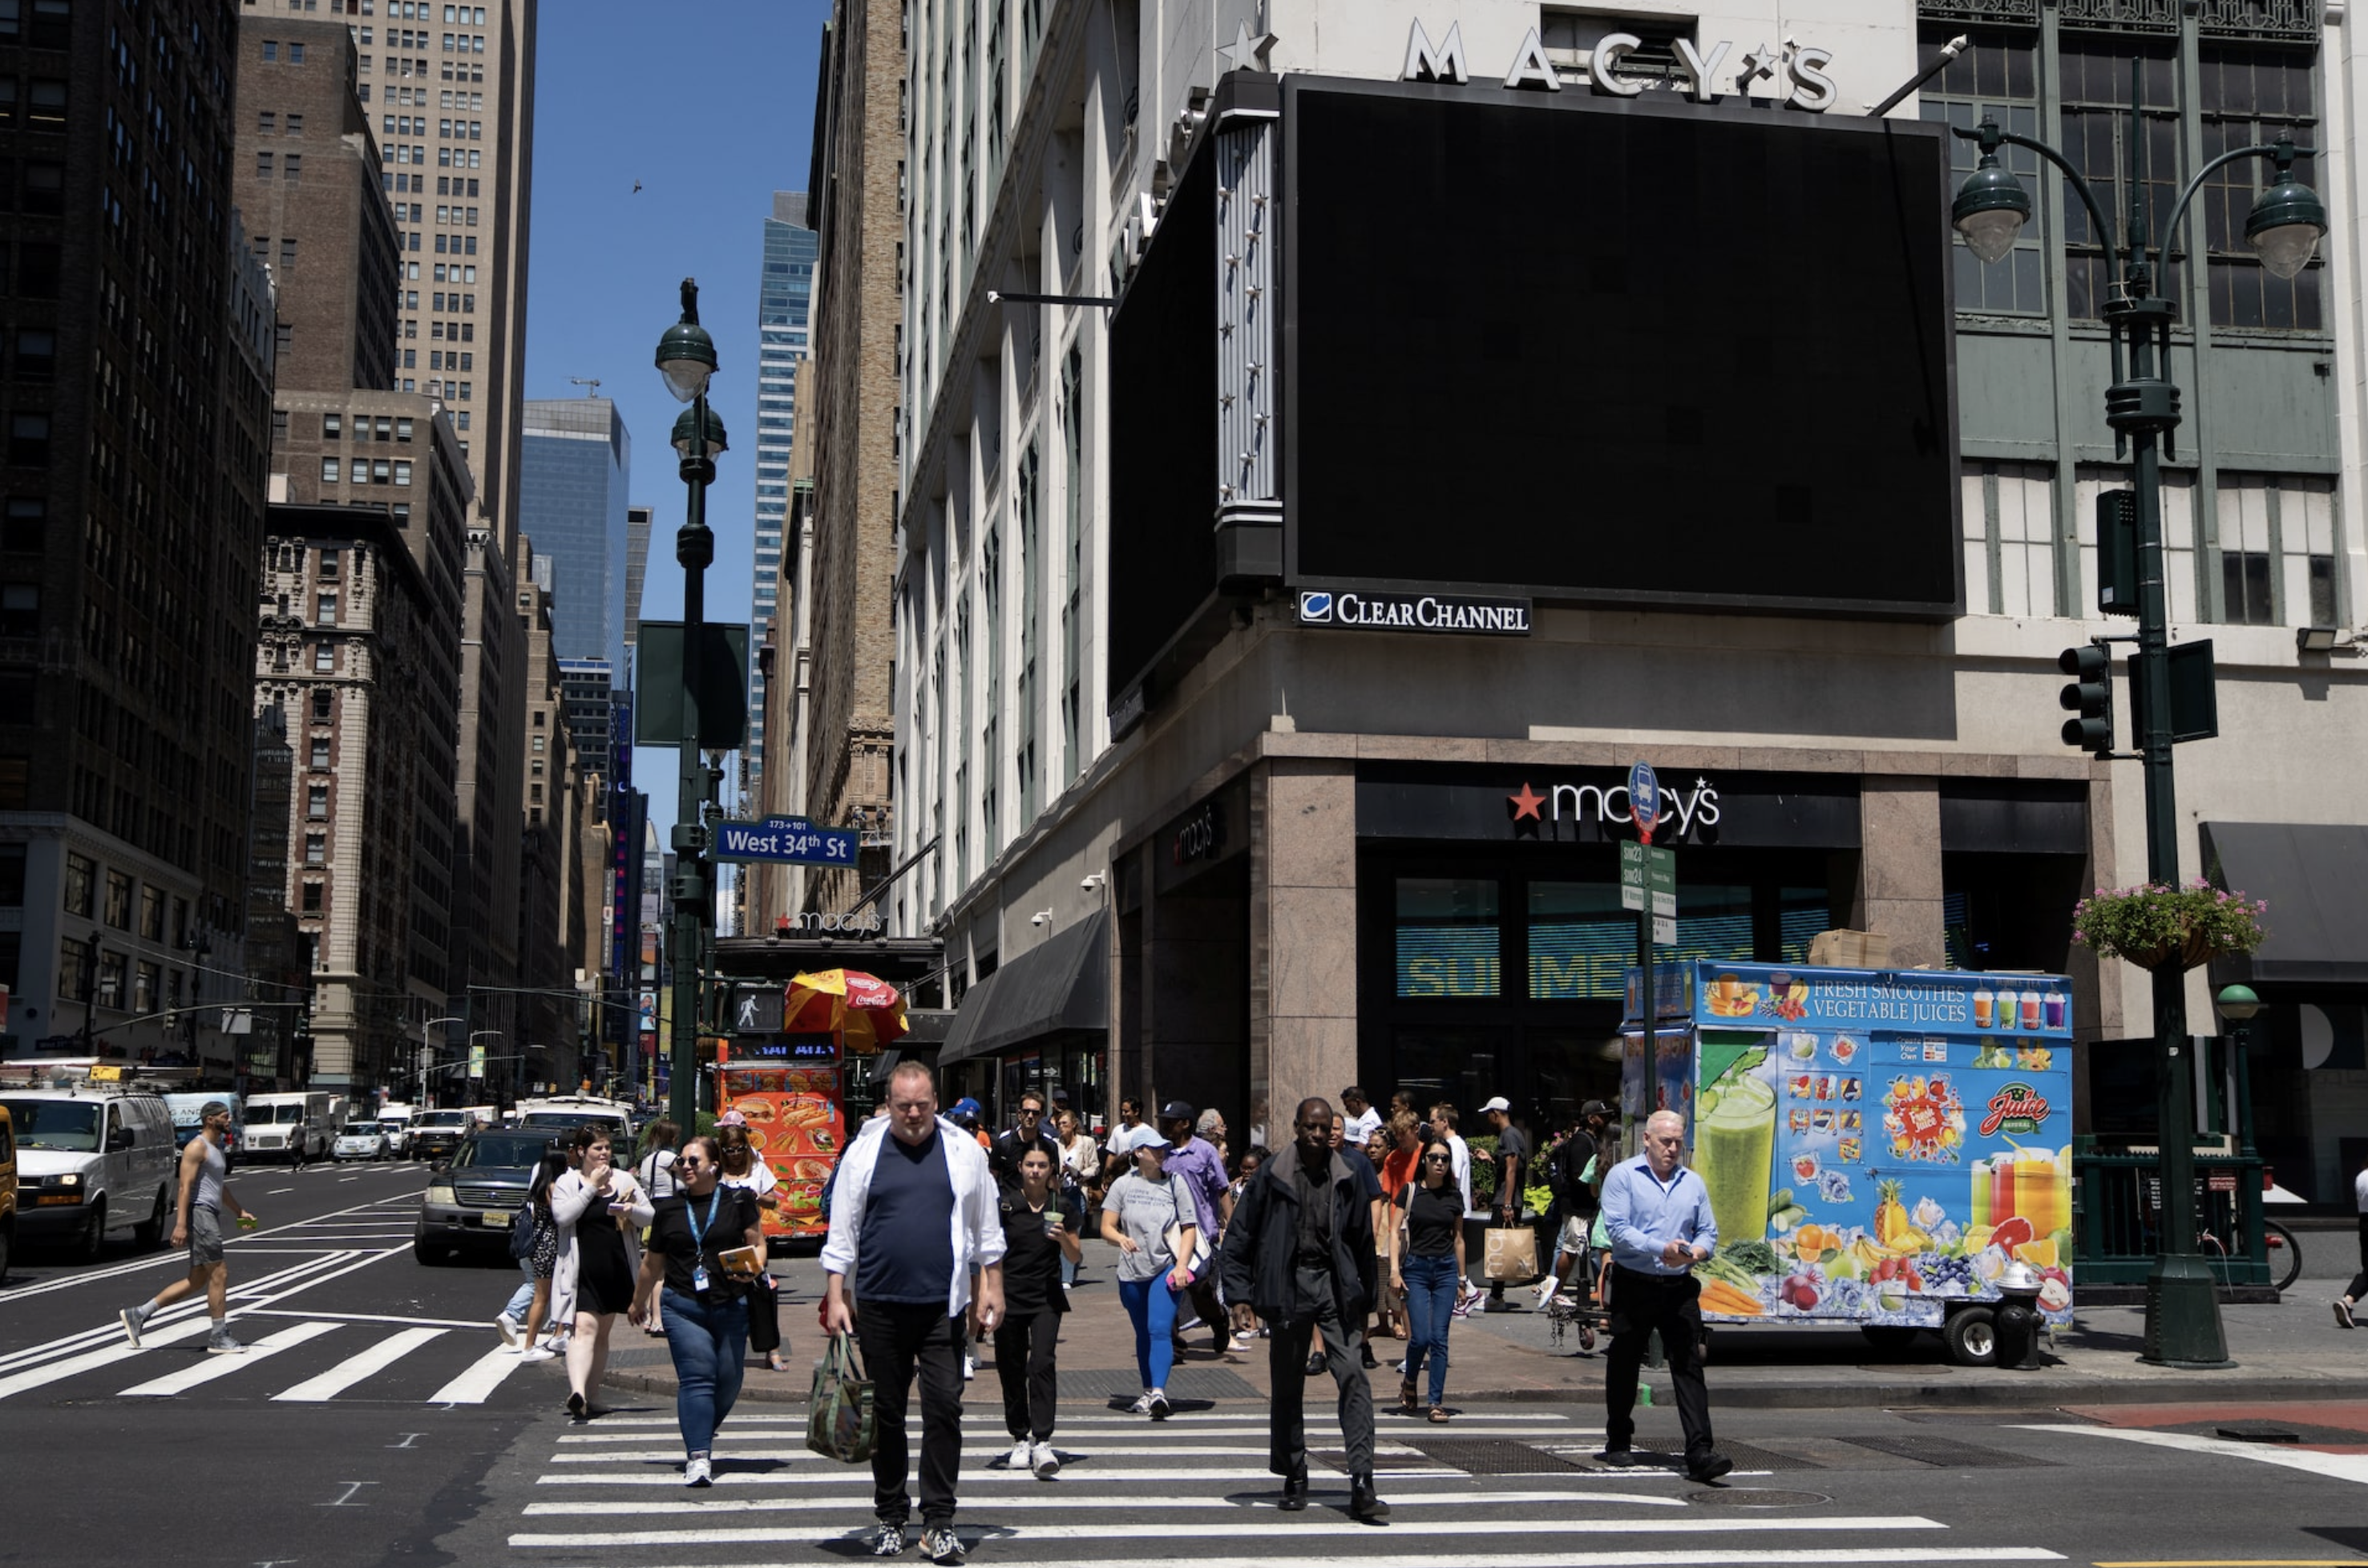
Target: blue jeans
x=708 y=1341
x=523 y=1296
x=1152 y=1305
x=1430 y=1307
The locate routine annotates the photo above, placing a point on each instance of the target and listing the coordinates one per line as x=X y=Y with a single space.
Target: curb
x=2010 y=1391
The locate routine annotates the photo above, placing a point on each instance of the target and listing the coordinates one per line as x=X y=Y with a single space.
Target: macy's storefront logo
x=1609 y=805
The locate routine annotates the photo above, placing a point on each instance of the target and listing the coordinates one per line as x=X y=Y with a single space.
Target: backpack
x=1566 y=1175
x=522 y=1230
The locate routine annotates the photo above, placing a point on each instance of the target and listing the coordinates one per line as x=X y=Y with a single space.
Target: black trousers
x=1286 y=1365
x=2358 y=1288
x=764 y=1317
x=899 y=1342
x=1202 y=1294
x=1024 y=1347
x=1641 y=1303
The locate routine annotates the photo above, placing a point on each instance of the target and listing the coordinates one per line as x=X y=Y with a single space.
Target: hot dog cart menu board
x=1876 y=1143
x=795 y=1109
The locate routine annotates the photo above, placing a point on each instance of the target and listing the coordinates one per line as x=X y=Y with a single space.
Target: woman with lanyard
x=1040 y=1237
x=1150 y=1218
x=600 y=1211
x=704 y=1311
x=1426 y=1262
x=743 y=1169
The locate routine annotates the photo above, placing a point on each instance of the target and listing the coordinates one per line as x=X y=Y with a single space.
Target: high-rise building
x=590 y=706
x=135 y=398
x=637 y=567
x=575 y=467
x=857 y=209
x=784 y=306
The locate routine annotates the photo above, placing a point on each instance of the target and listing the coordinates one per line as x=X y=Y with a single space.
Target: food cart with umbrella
x=792 y=1088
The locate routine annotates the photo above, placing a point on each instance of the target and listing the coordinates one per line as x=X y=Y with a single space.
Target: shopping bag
x=1510 y=1255
x=840 y=1423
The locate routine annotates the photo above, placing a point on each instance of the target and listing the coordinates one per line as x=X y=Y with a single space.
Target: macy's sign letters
x=1795 y=72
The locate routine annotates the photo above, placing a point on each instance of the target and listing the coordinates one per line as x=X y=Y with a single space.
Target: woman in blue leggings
x=1150 y=1218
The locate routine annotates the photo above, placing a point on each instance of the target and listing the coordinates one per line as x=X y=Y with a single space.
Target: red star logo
x=1526 y=804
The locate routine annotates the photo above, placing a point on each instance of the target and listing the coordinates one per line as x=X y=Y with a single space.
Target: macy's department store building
x=1822 y=592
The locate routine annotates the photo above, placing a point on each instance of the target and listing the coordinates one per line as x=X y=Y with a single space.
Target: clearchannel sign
x=1452 y=613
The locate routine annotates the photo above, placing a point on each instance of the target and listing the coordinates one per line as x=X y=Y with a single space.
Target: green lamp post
x=685 y=359
x=2182 y=1316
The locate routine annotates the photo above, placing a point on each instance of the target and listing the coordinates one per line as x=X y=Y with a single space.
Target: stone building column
x=1898 y=889
x=1302 y=936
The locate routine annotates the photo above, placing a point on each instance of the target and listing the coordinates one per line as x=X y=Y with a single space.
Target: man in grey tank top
x=204 y=1194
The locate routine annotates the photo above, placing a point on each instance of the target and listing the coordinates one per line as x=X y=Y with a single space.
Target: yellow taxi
x=8 y=1190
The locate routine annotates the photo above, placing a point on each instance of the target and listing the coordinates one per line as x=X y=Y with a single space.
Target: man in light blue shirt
x=1658 y=1216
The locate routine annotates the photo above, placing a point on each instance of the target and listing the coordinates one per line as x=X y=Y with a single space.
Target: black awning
x=2314 y=880
x=1061 y=985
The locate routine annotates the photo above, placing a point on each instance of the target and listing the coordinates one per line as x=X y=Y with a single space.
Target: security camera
x=1093 y=881
x=1042 y=918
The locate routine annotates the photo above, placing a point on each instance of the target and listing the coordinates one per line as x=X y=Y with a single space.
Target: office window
x=295 y=124
x=2277 y=550
x=28 y=440
x=12 y=876
x=37 y=354
x=320 y=707
x=82 y=880
x=330 y=471
x=267 y=123
x=111 y=968
x=2250 y=94
x=316 y=849
x=2095 y=71
x=316 y=802
x=20 y=610
x=270 y=49
x=292 y=167
x=311 y=899
x=288 y=246
x=295 y=54
x=152 y=912
x=26 y=525
x=1996 y=76
x=325 y=611
x=118 y=910
x=324 y=659
x=145 y=987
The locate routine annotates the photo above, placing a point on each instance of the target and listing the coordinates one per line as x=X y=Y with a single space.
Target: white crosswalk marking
x=484 y=1375
x=91 y=1360
x=354 y=1368
x=214 y=1366
x=1307 y=1528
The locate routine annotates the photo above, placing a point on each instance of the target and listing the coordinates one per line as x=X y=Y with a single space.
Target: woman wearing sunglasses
x=1426 y=1261
x=704 y=1309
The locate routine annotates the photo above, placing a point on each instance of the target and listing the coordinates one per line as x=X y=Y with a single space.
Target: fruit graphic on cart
x=1890 y=1213
x=2012 y=1232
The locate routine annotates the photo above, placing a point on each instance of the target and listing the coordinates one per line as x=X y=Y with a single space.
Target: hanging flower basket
x=2156 y=927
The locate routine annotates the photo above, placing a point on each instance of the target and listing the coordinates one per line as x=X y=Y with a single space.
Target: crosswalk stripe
x=354 y=1368
x=784 y=1427
x=976 y=1452
x=1707 y=1557
x=1050 y=1499
x=667 y=1473
x=57 y=1371
x=481 y=1377
x=214 y=1366
x=580 y=1540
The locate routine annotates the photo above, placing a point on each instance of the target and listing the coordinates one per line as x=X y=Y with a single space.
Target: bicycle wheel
x=2284 y=1255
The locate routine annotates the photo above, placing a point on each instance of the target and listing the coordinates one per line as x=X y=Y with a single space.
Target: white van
x=278 y=1125
x=564 y=1113
x=93 y=1160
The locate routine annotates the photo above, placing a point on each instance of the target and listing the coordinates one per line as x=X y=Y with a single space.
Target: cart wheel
x=1890 y=1338
x=2286 y=1255
x=1971 y=1337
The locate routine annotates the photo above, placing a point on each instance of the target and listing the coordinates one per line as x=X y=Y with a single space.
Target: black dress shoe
x=1363 y=1504
x=1367 y=1348
x=1315 y=1363
x=1708 y=1465
x=1294 y=1493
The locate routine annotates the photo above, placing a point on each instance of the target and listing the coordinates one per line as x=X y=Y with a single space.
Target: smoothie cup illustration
x=1985 y=1009
x=1735 y=1144
x=2054 y=1009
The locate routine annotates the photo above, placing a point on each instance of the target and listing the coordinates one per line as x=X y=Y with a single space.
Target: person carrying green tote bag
x=840 y=1423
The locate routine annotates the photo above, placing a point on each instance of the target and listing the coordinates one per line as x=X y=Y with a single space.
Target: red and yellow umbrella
x=863 y=1010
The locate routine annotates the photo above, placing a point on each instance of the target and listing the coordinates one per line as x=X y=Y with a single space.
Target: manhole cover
x=1183 y=1383
x=1338 y=1459
x=1752 y=1456
x=1757 y=1497
x=1942 y=1452
x=1494 y=1456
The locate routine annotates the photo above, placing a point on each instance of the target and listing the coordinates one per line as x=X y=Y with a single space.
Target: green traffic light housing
x=1991 y=206
x=2090 y=696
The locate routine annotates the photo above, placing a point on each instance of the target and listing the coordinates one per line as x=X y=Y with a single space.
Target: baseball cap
x=1175 y=1110
x=1499 y=1103
x=1595 y=1107
x=965 y=1106
x=732 y=1118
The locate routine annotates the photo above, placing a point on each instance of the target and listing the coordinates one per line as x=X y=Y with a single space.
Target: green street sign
x=1645 y=867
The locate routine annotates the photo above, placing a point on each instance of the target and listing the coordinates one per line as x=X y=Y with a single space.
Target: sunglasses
x=1441 y=1159
x=689 y=1162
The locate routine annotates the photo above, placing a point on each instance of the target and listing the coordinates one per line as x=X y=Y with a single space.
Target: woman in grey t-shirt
x=1136 y=1213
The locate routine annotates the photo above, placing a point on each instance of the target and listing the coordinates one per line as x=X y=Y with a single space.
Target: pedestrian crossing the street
x=611 y=1491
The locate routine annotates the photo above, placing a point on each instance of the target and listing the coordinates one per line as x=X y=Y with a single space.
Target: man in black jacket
x=1299 y=1252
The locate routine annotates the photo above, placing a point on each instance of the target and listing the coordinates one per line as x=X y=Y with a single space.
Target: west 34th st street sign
x=792 y=839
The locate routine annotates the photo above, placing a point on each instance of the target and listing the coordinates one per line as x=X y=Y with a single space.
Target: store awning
x=2315 y=878
x=1061 y=985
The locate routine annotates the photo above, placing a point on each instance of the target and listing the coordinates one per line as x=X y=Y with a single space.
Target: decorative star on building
x=1762 y=62
x=1248 y=50
x=1526 y=804
x=1701 y=783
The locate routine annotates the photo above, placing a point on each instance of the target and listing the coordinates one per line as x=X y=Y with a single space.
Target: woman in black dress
x=600 y=1211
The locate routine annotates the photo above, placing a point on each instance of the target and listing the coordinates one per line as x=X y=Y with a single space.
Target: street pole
x=686 y=358
x=2182 y=1321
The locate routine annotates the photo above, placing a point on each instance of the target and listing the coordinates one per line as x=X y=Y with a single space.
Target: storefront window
x=1447 y=942
x=1581 y=943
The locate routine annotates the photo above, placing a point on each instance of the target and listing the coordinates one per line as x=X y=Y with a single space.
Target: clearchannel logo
x=1414 y=612
x=1314 y=608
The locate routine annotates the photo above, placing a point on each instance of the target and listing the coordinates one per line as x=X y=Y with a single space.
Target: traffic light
x=2090 y=695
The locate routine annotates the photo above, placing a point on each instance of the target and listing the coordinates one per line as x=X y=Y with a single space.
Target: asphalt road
x=374 y=1424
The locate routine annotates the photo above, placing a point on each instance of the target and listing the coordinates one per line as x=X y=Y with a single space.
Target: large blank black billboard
x=1617 y=351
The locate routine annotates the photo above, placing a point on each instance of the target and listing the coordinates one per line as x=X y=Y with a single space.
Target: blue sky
x=711 y=108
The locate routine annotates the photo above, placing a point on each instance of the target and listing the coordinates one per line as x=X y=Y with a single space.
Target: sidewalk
x=2289 y=1351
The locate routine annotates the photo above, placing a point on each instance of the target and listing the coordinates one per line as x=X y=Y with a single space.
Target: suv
x=92 y=1159
x=470 y=1203
x=8 y=1192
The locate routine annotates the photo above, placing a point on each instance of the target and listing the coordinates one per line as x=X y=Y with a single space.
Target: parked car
x=470 y=1203
x=360 y=1141
x=8 y=1191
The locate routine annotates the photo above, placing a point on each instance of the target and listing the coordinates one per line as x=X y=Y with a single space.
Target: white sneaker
x=970 y=1368
x=1244 y=1342
x=220 y=1342
x=537 y=1353
x=1022 y=1453
x=1157 y=1409
x=1045 y=1463
x=558 y=1342
x=1545 y=1290
x=696 y=1471
x=1186 y=1325
x=508 y=1328
x=1141 y=1406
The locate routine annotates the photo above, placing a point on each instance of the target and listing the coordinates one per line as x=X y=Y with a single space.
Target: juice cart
x=793 y=1091
x=1878 y=1144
